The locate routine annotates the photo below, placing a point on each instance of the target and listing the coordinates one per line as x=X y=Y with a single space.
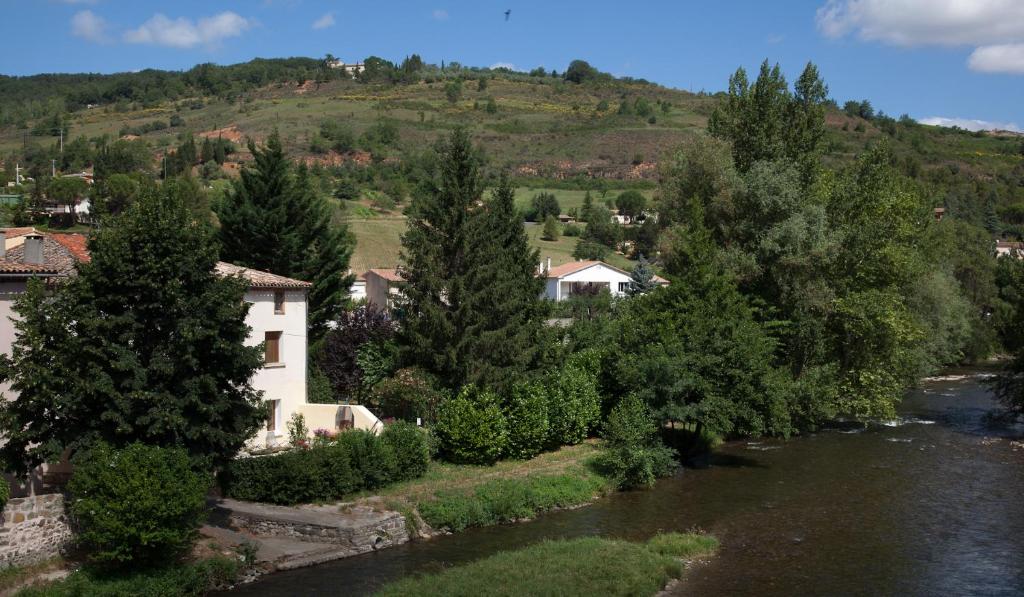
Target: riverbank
x=584 y=567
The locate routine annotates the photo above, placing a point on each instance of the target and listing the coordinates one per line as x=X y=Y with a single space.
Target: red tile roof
x=572 y=267
x=76 y=244
x=16 y=267
x=260 y=279
x=391 y=275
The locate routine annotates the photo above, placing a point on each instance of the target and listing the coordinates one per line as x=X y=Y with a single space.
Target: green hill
x=604 y=134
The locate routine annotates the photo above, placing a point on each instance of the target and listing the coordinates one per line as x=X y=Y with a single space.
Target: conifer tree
x=470 y=285
x=273 y=220
x=149 y=342
x=551 y=231
x=641 y=279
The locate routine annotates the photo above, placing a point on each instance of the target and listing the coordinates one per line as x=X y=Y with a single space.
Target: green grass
x=569 y=199
x=197 y=578
x=13 y=576
x=584 y=567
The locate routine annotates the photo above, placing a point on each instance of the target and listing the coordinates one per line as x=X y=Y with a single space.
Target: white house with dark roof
x=563 y=281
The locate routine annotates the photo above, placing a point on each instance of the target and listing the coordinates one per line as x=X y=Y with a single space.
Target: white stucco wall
x=285 y=381
x=558 y=289
x=9 y=292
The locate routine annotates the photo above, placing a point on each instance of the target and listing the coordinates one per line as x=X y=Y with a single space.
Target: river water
x=929 y=504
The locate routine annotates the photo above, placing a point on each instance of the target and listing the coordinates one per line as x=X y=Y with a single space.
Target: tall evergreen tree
x=273 y=220
x=470 y=283
x=641 y=279
x=502 y=294
x=149 y=342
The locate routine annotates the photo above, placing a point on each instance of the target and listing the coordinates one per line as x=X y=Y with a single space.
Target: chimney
x=3 y=244
x=549 y=264
x=34 y=249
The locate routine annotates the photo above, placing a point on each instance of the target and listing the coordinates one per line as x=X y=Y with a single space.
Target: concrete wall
x=284 y=381
x=33 y=529
x=9 y=292
x=327 y=416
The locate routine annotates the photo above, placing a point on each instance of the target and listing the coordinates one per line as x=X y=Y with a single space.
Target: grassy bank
x=454 y=497
x=197 y=578
x=589 y=566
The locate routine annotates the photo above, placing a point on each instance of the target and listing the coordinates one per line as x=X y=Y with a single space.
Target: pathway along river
x=930 y=504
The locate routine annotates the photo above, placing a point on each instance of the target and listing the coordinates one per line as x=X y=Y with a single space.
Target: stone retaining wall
x=361 y=535
x=34 y=529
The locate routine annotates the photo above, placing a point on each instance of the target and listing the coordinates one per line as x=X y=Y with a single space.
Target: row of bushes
x=506 y=500
x=480 y=427
x=355 y=461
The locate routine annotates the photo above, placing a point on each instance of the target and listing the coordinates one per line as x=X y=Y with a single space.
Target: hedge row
x=358 y=460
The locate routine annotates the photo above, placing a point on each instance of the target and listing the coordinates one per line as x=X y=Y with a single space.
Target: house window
x=272 y=348
x=273 y=406
x=278 y=302
x=624 y=287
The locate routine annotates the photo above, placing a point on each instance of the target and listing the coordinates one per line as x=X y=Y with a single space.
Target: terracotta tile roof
x=16 y=232
x=56 y=256
x=259 y=279
x=560 y=271
x=77 y=244
x=8 y=266
x=391 y=275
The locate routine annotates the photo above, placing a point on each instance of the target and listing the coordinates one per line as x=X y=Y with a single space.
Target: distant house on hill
x=584 y=277
x=1004 y=247
x=383 y=286
x=350 y=69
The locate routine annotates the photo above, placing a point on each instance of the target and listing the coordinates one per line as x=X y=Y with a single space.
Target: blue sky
x=954 y=59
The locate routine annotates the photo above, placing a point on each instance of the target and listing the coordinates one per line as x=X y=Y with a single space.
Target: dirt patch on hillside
x=231 y=133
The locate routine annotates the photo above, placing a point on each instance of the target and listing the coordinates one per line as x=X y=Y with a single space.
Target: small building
x=1012 y=248
x=584 y=277
x=350 y=69
x=383 y=286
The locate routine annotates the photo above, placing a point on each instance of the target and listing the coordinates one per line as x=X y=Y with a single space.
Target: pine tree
x=273 y=220
x=471 y=290
x=502 y=294
x=991 y=215
x=150 y=343
x=435 y=250
x=588 y=204
x=551 y=231
x=641 y=279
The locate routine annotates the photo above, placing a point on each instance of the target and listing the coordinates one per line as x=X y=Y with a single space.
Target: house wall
x=285 y=381
x=380 y=292
x=9 y=291
x=557 y=289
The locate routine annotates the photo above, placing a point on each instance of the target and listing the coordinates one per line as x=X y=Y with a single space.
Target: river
x=932 y=503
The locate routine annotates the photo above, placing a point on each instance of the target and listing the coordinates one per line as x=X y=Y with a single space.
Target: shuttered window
x=272 y=350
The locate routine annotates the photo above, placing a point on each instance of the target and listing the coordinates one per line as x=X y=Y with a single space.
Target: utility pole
x=62 y=140
x=53 y=168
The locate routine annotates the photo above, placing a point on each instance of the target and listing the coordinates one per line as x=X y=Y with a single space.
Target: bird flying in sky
x=507 y=13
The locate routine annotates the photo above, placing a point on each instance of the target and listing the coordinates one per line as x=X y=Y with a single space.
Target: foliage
x=551 y=229
x=176 y=579
x=634 y=456
x=353 y=461
x=526 y=410
x=273 y=220
x=151 y=343
x=570 y=567
x=471 y=293
x=409 y=445
x=453 y=91
x=338 y=356
x=641 y=279
x=574 y=405
x=507 y=500
x=5 y=493
x=471 y=427
x=408 y=395
x=298 y=432
x=631 y=204
x=136 y=506
x=543 y=205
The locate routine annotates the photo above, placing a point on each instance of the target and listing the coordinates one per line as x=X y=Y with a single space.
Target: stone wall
x=33 y=529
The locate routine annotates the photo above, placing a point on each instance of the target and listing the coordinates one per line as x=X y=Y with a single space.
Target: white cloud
x=507 y=65
x=89 y=26
x=440 y=14
x=183 y=33
x=994 y=27
x=324 y=22
x=972 y=124
x=925 y=22
x=1002 y=58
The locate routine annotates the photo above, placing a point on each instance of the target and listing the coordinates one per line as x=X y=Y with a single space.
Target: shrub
x=319 y=474
x=137 y=505
x=5 y=493
x=574 y=406
x=373 y=460
x=572 y=230
x=408 y=395
x=471 y=427
x=526 y=410
x=634 y=456
x=298 y=432
x=409 y=445
x=199 y=578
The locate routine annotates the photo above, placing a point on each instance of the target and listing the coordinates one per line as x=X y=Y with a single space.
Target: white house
x=383 y=287
x=350 y=69
x=358 y=291
x=1009 y=248
x=563 y=281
